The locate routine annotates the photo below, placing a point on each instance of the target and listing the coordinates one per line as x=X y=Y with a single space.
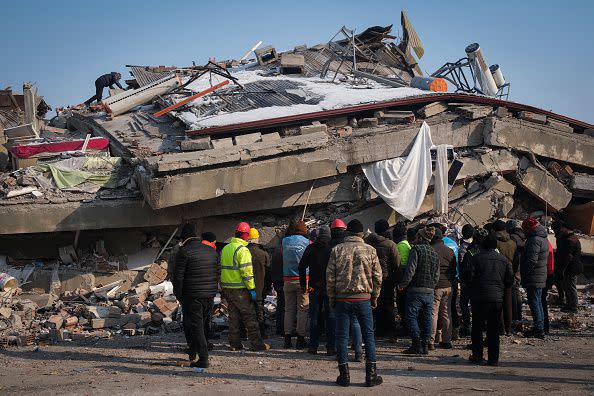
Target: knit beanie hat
x=355 y=227
x=427 y=233
x=467 y=231
x=513 y=224
x=499 y=225
x=530 y=224
x=188 y=231
x=399 y=232
x=381 y=226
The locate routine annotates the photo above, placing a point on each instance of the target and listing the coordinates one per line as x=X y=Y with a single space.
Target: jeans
x=357 y=336
x=346 y=312
x=419 y=307
x=490 y=314
x=197 y=314
x=535 y=303
x=318 y=300
x=465 y=305
x=280 y=307
x=570 y=289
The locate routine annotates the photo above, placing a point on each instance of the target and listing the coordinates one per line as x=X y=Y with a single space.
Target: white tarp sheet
x=440 y=188
x=402 y=182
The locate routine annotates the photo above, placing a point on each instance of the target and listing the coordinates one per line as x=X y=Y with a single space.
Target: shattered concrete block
x=395 y=117
x=155 y=274
x=244 y=140
x=292 y=63
x=100 y=312
x=533 y=117
x=222 y=143
x=502 y=112
x=559 y=125
x=103 y=323
x=5 y=312
x=344 y=131
x=545 y=187
x=271 y=137
x=266 y=55
x=55 y=321
x=432 y=109
x=473 y=112
x=167 y=308
x=582 y=185
x=202 y=143
x=314 y=128
x=368 y=122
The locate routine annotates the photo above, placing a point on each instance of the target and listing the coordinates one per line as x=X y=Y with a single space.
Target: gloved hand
x=253 y=295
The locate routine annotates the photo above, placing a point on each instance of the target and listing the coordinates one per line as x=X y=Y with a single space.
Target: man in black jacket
x=490 y=276
x=196 y=277
x=533 y=270
x=569 y=262
x=316 y=258
x=106 y=80
x=514 y=229
x=387 y=253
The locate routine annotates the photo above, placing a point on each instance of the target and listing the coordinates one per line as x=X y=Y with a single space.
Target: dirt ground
x=155 y=365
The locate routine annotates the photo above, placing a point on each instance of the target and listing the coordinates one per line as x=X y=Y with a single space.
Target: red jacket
x=550 y=261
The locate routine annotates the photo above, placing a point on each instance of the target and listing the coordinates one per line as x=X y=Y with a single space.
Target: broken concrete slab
x=559 y=125
x=314 y=128
x=432 y=109
x=582 y=185
x=222 y=143
x=581 y=217
x=292 y=63
x=540 y=140
x=544 y=187
x=479 y=208
x=103 y=323
x=202 y=143
x=474 y=112
x=533 y=117
x=243 y=140
x=270 y=137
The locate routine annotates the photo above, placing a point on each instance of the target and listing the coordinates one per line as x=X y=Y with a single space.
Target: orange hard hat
x=337 y=223
x=243 y=227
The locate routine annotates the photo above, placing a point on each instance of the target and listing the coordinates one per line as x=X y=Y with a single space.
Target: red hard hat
x=337 y=223
x=243 y=227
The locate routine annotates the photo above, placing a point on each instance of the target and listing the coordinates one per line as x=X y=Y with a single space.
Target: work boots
x=425 y=346
x=202 y=363
x=288 y=342
x=371 y=377
x=344 y=378
x=301 y=344
x=415 y=348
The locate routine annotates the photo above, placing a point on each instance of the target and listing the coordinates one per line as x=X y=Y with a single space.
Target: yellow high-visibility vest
x=237 y=271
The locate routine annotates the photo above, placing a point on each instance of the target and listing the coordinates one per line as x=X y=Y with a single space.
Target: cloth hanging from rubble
x=75 y=171
x=402 y=182
x=440 y=188
x=26 y=151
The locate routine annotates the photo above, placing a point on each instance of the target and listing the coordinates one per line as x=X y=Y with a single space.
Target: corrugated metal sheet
x=8 y=118
x=144 y=76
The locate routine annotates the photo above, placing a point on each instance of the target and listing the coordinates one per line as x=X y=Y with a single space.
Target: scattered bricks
x=71 y=322
x=266 y=55
x=202 y=143
x=56 y=335
x=129 y=318
x=344 y=131
x=244 y=140
x=533 y=117
x=368 y=123
x=167 y=308
x=395 y=117
x=292 y=63
x=155 y=274
x=100 y=312
x=142 y=290
x=103 y=323
x=145 y=318
x=271 y=137
x=432 y=109
x=315 y=127
x=222 y=143
x=559 y=125
x=501 y=112
x=157 y=318
x=55 y=321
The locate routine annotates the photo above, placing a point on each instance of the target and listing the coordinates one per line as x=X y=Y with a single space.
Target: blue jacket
x=449 y=242
x=293 y=247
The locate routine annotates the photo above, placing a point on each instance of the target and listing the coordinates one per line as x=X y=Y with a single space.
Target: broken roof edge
x=463 y=97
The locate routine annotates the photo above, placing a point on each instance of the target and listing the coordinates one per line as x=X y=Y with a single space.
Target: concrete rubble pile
x=268 y=137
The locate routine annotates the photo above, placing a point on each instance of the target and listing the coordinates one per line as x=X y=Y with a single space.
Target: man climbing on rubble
x=261 y=264
x=534 y=272
x=490 y=276
x=195 y=283
x=421 y=276
x=106 y=80
x=315 y=259
x=387 y=253
x=296 y=299
x=353 y=284
x=239 y=288
x=569 y=258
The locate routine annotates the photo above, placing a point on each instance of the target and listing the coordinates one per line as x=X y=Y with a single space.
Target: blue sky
x=543 y=47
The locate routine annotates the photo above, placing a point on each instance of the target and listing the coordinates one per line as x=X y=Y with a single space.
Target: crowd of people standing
x=337 y=284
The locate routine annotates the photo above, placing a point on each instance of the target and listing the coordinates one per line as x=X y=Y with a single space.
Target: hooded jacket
x=315 y=259
x=533 y=267
x=197 y=270
x=506 y=245
x=387 y=253
x=447 y=264
x=354 y=272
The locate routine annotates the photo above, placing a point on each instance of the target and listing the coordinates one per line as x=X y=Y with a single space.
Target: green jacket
x=237 y=271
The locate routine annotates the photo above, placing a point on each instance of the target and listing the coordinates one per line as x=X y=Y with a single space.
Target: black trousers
x=489 y=314
x=197 y=315
x=454 y=305
x=280 y=306
x=98 y=94
x=465 y=305
x=385 y=323
x=516 y=303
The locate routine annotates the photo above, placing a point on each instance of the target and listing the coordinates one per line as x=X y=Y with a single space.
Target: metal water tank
x=497 y=75
x=481 y=70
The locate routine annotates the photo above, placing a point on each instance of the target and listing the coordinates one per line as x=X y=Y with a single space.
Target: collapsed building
x=349 y=128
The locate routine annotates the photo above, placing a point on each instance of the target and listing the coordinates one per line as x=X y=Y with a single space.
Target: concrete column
x=30 y=107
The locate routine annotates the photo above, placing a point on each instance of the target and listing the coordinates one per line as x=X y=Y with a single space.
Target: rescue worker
x=399 y=235
x=261 y=263
x=296 y=300
x=106 y=80
x=239 y=288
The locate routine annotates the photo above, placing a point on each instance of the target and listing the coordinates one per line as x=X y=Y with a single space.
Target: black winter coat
x=490 y=275
x=533 y=267
x=108 y=80
x=447 y=265
x=387 y=253
x=197 y=271
x=261 y=264
x=568 y=257
x=315 y=257
x=517 y=235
